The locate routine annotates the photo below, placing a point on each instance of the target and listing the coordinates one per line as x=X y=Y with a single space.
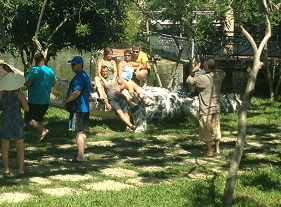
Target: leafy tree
x=81 y=24
x=265 y=16
x=250 y=17
x=183 y=15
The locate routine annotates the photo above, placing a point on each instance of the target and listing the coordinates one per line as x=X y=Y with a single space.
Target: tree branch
x=268 y=28
x=147 y=13
x=59 y=26
x=250 y=39
x=35 y=38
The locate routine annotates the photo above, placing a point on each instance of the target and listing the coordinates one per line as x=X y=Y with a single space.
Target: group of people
x=112 y=79
x=39 y=81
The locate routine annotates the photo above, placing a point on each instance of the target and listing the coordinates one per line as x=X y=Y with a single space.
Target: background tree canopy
x=93 y=24
x=81 y=24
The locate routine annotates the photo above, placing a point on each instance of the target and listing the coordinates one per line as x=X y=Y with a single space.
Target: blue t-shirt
x=81 y=81
x=42 y=78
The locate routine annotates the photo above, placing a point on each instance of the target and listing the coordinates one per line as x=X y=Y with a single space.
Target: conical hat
x=12 y=81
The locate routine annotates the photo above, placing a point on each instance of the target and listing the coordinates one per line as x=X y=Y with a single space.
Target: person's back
x=42 y=78
x=12 y=122
x=39 y=80
x=12 y=127
x=209 y=86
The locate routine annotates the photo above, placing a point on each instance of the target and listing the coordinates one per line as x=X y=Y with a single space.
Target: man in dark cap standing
x=79 y=89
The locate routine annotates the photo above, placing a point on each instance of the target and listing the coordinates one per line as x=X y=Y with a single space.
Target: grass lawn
x=166 y=166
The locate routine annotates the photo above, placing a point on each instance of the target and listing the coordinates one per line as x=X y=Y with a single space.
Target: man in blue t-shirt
x=79 y=89
x=39 y=80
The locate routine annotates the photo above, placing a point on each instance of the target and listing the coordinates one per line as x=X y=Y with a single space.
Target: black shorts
x=36 y=112
x=119 y=102
x=79 y=122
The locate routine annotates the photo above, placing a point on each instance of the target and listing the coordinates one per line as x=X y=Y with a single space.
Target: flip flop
x=210 y=156
x=101 y=100
x=44 y=136
x=6 y=174
x=74 y=160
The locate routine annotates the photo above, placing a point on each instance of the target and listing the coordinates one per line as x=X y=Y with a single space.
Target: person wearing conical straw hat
x=12 y=100
x=39 y=81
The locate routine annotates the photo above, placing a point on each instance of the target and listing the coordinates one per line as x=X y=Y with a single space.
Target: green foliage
x=208 y=32
x=83 y=25
x=83 y=30
x=131 y=28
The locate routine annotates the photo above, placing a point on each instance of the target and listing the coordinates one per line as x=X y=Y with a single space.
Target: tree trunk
x=270 y=76
x=242 y=122
x=180 y=49
x=242 y=116
x=3 y=39
x=277 y=65
x=170 y=85
x=191 y=89
x=154 y=67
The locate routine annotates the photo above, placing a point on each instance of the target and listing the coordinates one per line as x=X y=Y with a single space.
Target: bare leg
x=138 y=91
x=128 y=98
x=143 y=76
x=20 y=155
x=127 y=94
x=209 y=149
x=100 y=88
x=39 y=126
x=5 y=154
x=131 y=91
x=125 y=118
x=217 y=142
x=81 y=143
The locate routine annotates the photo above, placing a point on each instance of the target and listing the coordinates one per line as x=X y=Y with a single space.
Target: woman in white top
x=125 y=72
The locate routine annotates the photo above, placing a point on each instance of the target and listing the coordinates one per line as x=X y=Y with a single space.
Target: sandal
x=6 y=174
x=75 y=160
x=101 y=100
x=133 y=127
x=44 y=136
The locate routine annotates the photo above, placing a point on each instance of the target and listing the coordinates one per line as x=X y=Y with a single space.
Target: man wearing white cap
x=79 y=89
x=39 y=80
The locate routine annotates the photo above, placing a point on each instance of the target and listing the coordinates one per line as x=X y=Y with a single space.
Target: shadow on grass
x=158 y=148
x=264 y=180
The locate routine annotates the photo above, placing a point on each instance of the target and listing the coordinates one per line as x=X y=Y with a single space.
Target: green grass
x=183 y=176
